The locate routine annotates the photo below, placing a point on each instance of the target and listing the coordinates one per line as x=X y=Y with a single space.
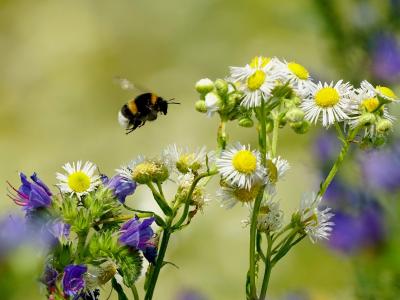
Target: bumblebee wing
x=127 y=85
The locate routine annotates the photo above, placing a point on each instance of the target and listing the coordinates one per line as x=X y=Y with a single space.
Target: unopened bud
x=367 y=119
x=200 y=106
x=384 y=126
x=300 y=127
x=246 y=122
x=221 y=86
x=295 y=115
x=205 y=85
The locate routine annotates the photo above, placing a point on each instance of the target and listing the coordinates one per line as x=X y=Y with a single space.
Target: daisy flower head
x=366 y=110
x=230 y=195
x=329 y=100
x=296 y=75
x=276 y=167
x=239 y=166
x=79 y=178
x=316 y=221
x=181 y=160
x=198 y=197
x=270 y=217
x=257 y=81
x=378 y=91
x=143 y=171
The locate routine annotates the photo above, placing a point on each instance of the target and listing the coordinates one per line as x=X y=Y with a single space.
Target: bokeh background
x=58 y=103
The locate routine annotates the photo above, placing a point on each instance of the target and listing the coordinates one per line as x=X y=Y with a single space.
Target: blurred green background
x=58 y=103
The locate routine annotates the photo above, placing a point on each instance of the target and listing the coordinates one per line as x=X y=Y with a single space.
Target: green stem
x=268 y=269
x=275 y=135
x=189 y=196
x=134 y=292
x=257 y=203
x=338 y=162
x=162 y=203
x=159 y=262
x=145 y=213
x=222 y=137
x=81 y=246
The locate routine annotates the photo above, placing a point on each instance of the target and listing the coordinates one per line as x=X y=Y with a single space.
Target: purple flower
x=50 y=277
x=12 y=234
x=73 y=281
x=327 y=147
x=190 y=295
x=381 y=168
x=31 y=195
x=55 y=231
x=121 y=186
x=353 y=233
x=139 y=235
x=386 y=58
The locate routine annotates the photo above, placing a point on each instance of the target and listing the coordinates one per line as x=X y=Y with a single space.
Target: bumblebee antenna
x=171 y=101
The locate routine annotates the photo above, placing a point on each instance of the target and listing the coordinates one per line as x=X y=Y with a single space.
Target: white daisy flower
x=296 y=75
x=330 y=100
x=79 y=180
x=257 y=81
x=241 y=167
x=257 y=63
x=381 y=91
x=199 y=196
x=315 y=220
x=126 y=170
x=181 y=160
x=277 y=167
x=367 y=111
x=270 y=217
x=230 y=195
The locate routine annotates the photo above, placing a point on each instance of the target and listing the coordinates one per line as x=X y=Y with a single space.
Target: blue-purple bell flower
x=139 y=235
x=31 y=195
x=50 y=277
x=73 y=280
x=12 y=234
x=381 y=169
x=121 y=186
x=386 y=57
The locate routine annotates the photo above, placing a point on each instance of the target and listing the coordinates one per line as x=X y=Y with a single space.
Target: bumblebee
x=142 y=108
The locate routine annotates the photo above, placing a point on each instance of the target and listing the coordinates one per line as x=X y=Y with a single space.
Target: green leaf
x=130 y=264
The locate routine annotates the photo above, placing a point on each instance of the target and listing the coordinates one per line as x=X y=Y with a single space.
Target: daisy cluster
x=302 y=100
x=272 y=93
x=93 y=236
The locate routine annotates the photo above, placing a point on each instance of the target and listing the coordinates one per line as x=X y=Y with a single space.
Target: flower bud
x=97 y=276
x=300 y=127
x=235 y=97
x=221 y=86
x=246 y=122
x=295 y=115
x=367 y=119
x=203 y=86
x=200 y=106
x=384 y=126
x=148 y=171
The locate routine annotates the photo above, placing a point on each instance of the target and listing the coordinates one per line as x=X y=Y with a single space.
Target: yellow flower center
x=298 y=70
x=244 y=161
x=327 y=97
x=387 y=92
x=259 y=62
x=245 y=195
x=255 y=81
x=79 y=182
x=371 y=104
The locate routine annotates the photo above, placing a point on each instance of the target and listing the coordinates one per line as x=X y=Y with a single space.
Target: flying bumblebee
x=142 y=108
